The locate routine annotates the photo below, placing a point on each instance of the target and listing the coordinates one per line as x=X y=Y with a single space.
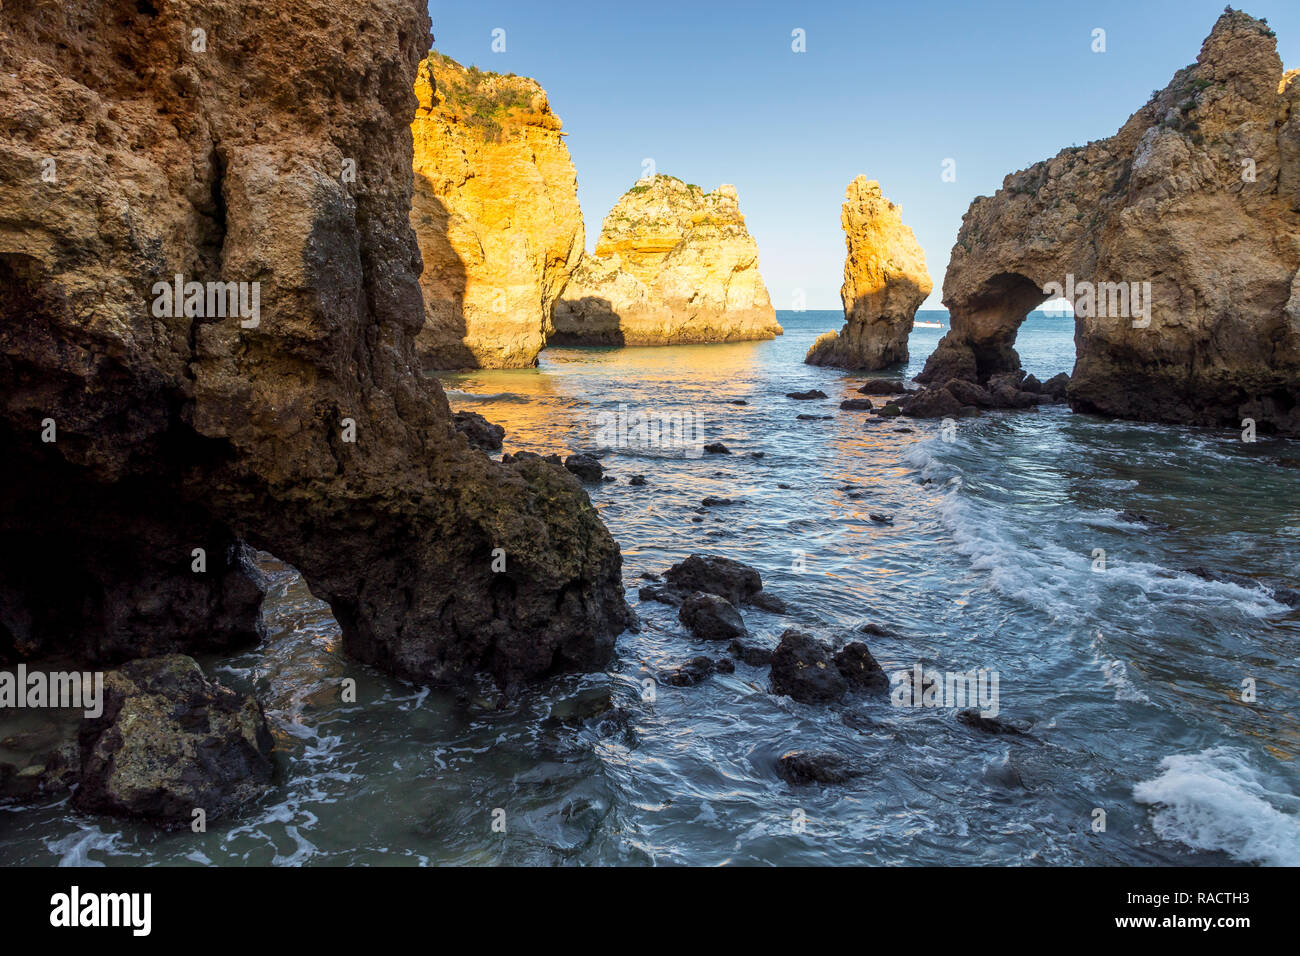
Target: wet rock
x=891 y=410
x=170 y=741
x=712 y=502
x=769 y=602
x=582 y=706
x=717 y=448
x=881 y=518
x=480 y=432
x=724 y=665
x=1056 y=387
x=749 y=653
x=813 y=418
x=807 y=396
x=857 y=405
x=689 y=674
x=585 y=467
x=711 y=618
x=650 y=576
x=882 y=386
x=736 y=582
x=968 y=393
x=739 y=401
x=531 y=456
x=860 y=669
x=875 y=630
x=989 y=725
x=804 y=669
x=637 y=480
x=815 y=766
x=664 y=593
x=1137 y=517
x=932 y=403
x=904 y=431
x=1282 y=595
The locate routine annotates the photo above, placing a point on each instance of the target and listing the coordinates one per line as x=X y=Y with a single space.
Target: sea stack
x=1178 y=239
x=885 y=282
x=674 y=265
x=145 y=444
x=496 y=214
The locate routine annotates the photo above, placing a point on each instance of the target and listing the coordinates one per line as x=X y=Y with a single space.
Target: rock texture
x=496 y=214
x=674 y=265
x=129 y=155
x=885 y=282
x=170 y=742
x=1199 y=196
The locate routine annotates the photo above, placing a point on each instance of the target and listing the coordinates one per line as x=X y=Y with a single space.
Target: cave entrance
x=1009 y=330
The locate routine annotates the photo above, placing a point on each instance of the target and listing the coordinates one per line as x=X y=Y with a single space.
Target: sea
x=1158 y=707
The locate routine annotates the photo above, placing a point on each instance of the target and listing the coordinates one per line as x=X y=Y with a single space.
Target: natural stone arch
x=1166 y=207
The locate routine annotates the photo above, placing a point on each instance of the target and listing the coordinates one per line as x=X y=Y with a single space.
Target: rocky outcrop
x=885 y=282
x=674 y=265
x=496 y=214
x=1178 y=240
x=170 y=742
x=144 y=440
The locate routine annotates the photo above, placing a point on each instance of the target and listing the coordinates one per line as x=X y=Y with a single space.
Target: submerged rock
x=804 y=669
x=808 y=396
x=736 y=582
x=711 y=617
x=673 y=265
x=885 y=282
x=749 y=653
x=168 y=742
x=694 y=671
x=971 y=717
x=815 y=766
x=857 y=405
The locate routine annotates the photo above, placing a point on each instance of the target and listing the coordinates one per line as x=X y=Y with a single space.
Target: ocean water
x=1129 y=680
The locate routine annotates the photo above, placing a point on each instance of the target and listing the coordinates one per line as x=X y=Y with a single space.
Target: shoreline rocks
x=673 y=266
x=885 y=282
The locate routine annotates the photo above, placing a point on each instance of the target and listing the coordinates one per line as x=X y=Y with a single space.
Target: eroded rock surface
x=885 y=282
x=674 y=265
x=127 y=157
x=170 y=742
x=1186 y=227
x=496 y=214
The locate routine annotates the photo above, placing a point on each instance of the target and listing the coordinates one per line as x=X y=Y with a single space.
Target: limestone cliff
x=145 y=438
x=885 y=282
x=496 y=214
x=673 y=265
x=1178 y=238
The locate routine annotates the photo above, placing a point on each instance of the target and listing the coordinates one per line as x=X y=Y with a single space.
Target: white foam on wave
x=1217 y=800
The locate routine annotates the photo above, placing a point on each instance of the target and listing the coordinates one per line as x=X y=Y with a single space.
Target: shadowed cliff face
x=271 y=150
x=673 y=266
x=1179 y=238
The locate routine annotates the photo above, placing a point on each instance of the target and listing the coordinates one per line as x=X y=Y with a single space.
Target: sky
x=714 y=92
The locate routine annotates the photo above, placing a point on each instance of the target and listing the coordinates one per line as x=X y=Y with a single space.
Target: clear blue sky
x=714 y=94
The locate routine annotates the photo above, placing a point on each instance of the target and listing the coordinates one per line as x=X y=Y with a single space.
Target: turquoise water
x=1129 y=680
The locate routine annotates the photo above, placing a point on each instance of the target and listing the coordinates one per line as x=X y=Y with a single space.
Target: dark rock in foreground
x=860 y=669
x=481 y=433
x=807 y=396
x=803 y=668
x=711 y=618
x=169 y=742
x=815 y=766
x=585 y=467
x=689 y=674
